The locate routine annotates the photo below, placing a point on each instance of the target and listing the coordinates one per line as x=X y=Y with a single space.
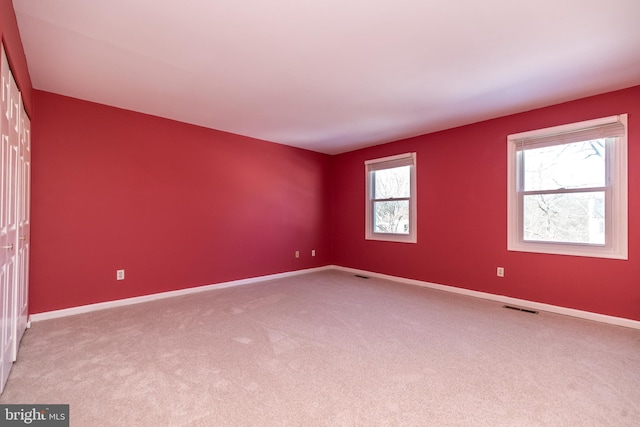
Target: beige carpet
x=330 y=349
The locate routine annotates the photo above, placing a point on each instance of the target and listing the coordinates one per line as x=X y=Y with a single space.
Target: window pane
x=567 y=218
x=575 y=165
x=391 y=217
x=392 y=183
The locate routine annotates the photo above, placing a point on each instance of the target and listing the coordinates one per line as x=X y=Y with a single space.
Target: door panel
x=23 y=246
x=7 y=232
x=9 y=262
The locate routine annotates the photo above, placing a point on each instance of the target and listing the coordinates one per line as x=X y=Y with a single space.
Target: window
x=568 y=189
x=391 y=198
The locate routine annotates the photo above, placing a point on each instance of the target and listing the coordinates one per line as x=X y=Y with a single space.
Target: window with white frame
x=391 y=198
x=567 y=190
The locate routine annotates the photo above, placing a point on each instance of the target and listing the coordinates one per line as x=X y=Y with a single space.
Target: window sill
x=383 y=237
x=569 y=249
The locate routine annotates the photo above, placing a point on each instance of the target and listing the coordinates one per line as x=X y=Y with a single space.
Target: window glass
x=576 y=165
x=565 y=217
x=393 y=183
x=391 y=217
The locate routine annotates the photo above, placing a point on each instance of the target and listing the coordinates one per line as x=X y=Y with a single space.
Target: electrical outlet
x=313 y=252
x=500 y=272
x=119 y=274
x=297 y=254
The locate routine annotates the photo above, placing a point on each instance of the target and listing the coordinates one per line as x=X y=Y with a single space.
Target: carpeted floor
x=329 y=349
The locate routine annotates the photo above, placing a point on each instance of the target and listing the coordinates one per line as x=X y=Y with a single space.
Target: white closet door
x=10 y=135
x=23 y=246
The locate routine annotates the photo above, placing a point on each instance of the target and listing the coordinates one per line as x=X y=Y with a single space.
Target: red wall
x=462 y=221
x=179 y=206
x=175 y=205
x=15 y=52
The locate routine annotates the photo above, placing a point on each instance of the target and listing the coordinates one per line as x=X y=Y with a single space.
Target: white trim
x=618 y=321
x=603 y=318
x=617 y=201
x=162 y=295
x=388 y=162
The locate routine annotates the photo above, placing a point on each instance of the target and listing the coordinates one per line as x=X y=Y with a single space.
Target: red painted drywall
x=15 y=52
x=173 y=204
x=179 y=206
x=462 y=215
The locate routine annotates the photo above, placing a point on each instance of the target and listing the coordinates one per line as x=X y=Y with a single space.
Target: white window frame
x=616 y=210
x=407 y=159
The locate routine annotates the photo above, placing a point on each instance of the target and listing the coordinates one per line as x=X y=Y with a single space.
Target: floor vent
x=526 y=310
x=361 y=276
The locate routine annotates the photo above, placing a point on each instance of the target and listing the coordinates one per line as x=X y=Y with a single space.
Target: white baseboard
x=170 y=294
x=618 y=321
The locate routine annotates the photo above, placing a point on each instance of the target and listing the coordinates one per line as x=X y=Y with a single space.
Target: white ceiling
x=331 y=75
